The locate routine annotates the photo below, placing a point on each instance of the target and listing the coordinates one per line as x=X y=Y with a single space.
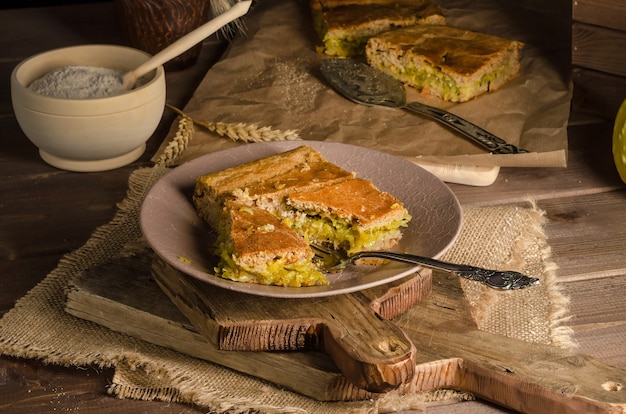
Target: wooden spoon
x=186 y=42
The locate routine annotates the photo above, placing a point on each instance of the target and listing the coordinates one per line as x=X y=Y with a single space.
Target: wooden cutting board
x=449 y=352
x=353 y=329
x=124 y=297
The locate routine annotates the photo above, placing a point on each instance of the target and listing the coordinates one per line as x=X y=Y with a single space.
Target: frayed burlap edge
x=506 y=313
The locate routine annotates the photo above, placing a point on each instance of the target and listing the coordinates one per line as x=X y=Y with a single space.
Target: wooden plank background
x=598 y=42
x=606 y=13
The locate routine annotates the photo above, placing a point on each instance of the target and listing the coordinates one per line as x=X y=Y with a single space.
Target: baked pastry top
x=452 y=63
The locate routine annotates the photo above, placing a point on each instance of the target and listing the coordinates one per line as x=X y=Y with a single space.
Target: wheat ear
x=178 y=144
x=242 y=132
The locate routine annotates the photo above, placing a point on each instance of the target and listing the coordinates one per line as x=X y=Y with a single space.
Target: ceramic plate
x=173 y=229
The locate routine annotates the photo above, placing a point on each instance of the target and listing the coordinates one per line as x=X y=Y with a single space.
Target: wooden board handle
x=526 y=377
x=549 y=380
x=373 y=353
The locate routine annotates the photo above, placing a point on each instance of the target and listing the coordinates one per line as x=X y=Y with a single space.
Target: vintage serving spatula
x=369 y=86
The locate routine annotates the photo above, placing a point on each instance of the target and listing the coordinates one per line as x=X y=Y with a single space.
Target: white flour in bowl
x=80 y=82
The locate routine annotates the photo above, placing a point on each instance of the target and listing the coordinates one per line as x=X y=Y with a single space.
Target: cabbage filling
x=277 y=272
x=337 y=45
x=344 y=47
x=331 y=230
x=344 y=235
x=440 y=83
x=420 y=77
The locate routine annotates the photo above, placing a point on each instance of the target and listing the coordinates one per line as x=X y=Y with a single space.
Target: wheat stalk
x=179 y=143
x=242 y=132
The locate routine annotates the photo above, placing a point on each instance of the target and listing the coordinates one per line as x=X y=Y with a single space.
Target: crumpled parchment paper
x=270 y=77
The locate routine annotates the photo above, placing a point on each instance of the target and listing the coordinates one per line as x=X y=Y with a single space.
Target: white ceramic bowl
x=88 y=134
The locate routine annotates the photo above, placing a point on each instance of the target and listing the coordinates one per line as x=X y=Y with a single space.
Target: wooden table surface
x=46 y=213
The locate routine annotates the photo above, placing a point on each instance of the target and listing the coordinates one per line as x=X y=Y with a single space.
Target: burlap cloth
x=38 y=327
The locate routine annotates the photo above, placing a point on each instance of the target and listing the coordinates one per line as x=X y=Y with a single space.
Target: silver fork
x=331 y=260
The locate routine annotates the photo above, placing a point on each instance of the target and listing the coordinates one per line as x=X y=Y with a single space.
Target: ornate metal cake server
x=369 y=86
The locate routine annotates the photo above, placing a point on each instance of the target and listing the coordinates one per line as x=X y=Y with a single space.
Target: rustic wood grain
x=585 y=235
x=600 y=325
x=369 y=350
x=529 y=377
x=597 y=92
x=30 y=387
x=599 y=48
x=606 y=13
x=151 y=316
x=590 y=170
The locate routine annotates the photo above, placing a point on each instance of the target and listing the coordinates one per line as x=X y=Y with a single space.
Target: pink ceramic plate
x=176 y=233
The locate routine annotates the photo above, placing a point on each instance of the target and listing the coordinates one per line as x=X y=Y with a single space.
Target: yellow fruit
x=619 y=141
